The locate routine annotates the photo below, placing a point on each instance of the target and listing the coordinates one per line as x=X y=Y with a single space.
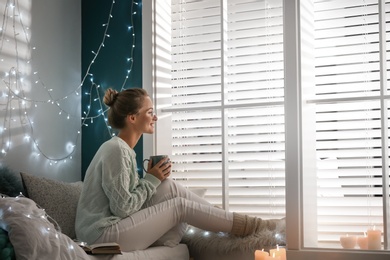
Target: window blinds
x=227 y=102
x=348 y=115
x=228 y=115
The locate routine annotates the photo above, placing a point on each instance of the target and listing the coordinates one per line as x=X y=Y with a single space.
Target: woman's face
x=145 y=118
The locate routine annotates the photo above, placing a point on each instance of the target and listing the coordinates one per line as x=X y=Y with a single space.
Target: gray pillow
x=58 y=199
x=10 y=182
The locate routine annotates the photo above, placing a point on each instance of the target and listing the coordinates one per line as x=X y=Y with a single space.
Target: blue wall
x=110 y=67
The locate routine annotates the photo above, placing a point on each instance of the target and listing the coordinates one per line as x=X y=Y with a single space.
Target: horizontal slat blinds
x=348 y=134
x=256 y=134
x=196 y=82
x=255 y=54
x=249 y=90
x=347 y=48
x=256 y=160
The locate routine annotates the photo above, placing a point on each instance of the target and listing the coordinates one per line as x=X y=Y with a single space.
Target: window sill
x=324 y=254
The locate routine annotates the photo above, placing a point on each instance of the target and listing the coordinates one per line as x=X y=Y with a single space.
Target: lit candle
x=272 y=257
x=348 y=242
x=278 y=252
x=374 y=239
x=363 y=241
x=260 y=254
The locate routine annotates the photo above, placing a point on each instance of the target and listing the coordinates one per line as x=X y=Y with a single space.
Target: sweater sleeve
x=125 y=191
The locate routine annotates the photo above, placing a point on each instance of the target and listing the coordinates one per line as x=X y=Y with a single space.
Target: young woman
x=116 y=205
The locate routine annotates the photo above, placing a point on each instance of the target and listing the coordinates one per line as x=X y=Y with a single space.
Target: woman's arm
x=125 y=191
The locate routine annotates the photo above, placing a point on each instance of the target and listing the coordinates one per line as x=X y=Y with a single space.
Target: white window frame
x=293 y=122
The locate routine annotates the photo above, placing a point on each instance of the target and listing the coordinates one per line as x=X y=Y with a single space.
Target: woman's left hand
x=161 y=170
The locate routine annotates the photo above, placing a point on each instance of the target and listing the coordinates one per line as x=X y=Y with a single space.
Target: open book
x=101 y=248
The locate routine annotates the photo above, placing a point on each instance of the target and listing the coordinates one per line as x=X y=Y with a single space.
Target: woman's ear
x=131 y=118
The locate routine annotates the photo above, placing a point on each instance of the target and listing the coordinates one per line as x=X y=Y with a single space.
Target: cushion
x=59 y=199
x=32 y=235
x=10 y=182
x=179 y=252
x=6 y=248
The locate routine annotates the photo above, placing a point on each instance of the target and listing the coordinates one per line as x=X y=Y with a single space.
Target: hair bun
x=110 y=97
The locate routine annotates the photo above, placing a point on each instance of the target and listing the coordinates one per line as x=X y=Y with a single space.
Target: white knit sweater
x=112 y=189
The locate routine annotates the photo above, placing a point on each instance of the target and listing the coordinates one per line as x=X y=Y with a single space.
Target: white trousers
x=164 y=218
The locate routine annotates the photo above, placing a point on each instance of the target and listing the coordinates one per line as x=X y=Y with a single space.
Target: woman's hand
x=161 y=170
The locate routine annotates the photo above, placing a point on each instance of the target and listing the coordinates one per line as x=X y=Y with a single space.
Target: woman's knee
x=170 y=186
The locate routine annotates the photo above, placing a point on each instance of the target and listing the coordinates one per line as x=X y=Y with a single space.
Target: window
x=347 y=102
x=227 y=106
x=278 y=106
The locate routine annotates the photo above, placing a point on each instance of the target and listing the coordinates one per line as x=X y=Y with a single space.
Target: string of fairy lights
x=15 y=84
